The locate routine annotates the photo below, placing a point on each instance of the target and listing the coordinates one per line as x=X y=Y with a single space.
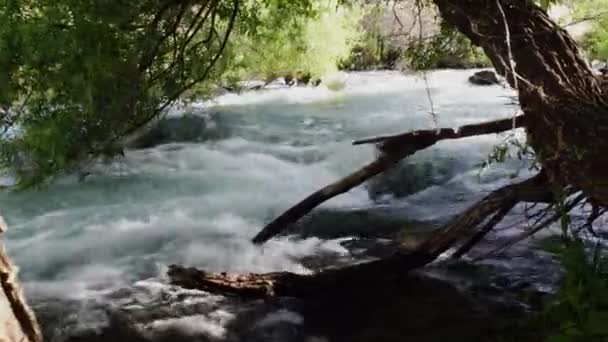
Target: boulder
x=485 y=77
x=184 y=128
x=451 y=62
x=289 y=80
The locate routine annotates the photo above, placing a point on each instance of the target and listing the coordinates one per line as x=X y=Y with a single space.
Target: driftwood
x=17 y=322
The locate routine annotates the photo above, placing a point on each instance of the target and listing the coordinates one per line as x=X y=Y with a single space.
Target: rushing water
x=199 y=202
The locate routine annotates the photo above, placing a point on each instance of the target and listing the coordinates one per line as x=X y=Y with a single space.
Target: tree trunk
x=563 y=101
x=17 y=322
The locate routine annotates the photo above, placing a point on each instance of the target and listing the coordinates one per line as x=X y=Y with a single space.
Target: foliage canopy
x=82 y=75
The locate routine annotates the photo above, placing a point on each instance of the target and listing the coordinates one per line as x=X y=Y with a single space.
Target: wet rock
x=478 y=302
x=289 y=80
x=252 y=85
x=410 y=177
x=358 y=250
x=416 y=308
x=485 y=77
x=374 y=222
x=186 y=128
x=257 y=87
x=230 y=89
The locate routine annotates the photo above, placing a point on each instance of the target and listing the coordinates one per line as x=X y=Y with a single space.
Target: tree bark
x=562 y=99
x=565 y=116
x=17 y=321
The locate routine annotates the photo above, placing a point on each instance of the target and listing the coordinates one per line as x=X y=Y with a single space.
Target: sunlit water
x=199 y=203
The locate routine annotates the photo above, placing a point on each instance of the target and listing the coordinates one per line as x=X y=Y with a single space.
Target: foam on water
x=200 y=203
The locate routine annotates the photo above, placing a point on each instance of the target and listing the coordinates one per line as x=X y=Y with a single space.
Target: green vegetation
x=292 y=44
x=595 y=41
x=393 y=39
x=579 y=311
x=373 y=49
x=82 y=75
x=447 y=49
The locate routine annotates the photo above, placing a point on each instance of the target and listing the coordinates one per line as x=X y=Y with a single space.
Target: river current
x=87 y=248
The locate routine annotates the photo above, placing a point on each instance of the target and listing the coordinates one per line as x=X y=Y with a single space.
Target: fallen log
x=394 y=149
x=362 y=275
x=17 y=321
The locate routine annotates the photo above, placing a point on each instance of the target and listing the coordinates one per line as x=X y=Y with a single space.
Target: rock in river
x=485 y=77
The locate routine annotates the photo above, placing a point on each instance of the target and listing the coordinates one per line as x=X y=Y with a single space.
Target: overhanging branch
x=395 y=148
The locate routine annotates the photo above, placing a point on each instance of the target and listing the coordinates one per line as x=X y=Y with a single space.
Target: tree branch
x=395 y=148
x=446 y=133
x=466 y=248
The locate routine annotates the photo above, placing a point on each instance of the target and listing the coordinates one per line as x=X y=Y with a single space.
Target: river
x=103 y=245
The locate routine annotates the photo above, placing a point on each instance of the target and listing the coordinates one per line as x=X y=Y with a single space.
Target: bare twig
x=554 y=218
x=396 y=16
x=586 y=18
x=510 y=52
